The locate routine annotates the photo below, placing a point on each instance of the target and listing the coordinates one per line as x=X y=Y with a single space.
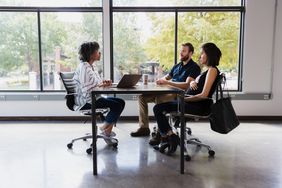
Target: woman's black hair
x=213 y=54
x=86 y=50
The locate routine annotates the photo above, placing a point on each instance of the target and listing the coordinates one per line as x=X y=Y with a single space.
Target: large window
x=37 y=42
x=40 y=38
x=147 y=35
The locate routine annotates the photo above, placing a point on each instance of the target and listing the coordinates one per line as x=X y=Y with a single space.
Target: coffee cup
x=145 y=79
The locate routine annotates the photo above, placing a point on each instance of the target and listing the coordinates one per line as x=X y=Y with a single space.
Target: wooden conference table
x=139 y=89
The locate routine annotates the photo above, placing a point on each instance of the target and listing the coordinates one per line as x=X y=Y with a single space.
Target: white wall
x=262 y=56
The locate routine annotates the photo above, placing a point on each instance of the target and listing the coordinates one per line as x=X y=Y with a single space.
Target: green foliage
x=19 y=41
x=222 y=28
x=52 y=33
x=197 y=28
x=88 y=29
x=160 y=46
x=128 y=51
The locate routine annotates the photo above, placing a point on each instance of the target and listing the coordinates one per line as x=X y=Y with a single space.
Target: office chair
x=69 y=84
x=188 y=138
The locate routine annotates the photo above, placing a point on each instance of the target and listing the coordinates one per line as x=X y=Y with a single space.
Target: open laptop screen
x=128 y=81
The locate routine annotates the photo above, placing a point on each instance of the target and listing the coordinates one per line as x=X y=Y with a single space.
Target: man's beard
x=185 y=58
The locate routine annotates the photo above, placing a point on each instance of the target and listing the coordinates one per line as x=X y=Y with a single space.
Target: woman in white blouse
x=87 y=79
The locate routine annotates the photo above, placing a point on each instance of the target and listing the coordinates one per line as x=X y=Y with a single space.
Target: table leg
x=94 y=134
x=182 y=132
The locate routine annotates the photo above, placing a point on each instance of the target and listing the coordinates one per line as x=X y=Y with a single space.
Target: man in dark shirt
x=180 y=76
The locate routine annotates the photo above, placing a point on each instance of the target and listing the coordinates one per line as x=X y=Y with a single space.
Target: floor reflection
x=35 y=155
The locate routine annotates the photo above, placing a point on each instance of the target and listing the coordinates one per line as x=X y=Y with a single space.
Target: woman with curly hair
x=87 y=79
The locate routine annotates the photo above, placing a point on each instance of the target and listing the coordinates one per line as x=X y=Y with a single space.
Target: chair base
x=109 y=141
x=188 y=140
x=195 y=141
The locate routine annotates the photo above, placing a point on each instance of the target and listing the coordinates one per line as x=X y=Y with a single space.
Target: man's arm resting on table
x=180 y=85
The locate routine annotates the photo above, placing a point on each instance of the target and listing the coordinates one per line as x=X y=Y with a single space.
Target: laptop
x=128 y=81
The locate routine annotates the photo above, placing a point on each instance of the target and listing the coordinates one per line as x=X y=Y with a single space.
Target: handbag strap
x=219 y=89
x=225 y=86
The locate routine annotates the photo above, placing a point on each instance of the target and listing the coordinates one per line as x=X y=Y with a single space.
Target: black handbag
x=223 y=118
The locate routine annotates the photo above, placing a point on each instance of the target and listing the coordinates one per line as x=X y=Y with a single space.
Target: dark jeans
x=197 y=108
x=116 y=106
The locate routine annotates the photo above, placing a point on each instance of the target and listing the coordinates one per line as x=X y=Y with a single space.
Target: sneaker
x=163 y=144
x=173 y=141
x=141 y=132
x=110 y=141
x=112 y=134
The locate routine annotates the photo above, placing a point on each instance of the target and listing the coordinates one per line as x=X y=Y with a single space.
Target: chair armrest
x=71 y=94
x=192 y=116
x=198 y=98
x=99 y=111
x=186 y=95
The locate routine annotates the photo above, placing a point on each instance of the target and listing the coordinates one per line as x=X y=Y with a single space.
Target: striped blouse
x=87 y=78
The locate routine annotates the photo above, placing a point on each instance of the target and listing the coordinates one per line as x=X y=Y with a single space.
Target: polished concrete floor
x=34 y=155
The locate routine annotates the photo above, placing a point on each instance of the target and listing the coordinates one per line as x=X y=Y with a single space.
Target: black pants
x=197 y=108
x=116 y=106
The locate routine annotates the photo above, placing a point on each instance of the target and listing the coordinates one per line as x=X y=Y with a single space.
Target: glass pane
x=143 y=43
x=52 y=3
x=19 y=67
x=159 y=3
x=61 y=36
x=222 y=28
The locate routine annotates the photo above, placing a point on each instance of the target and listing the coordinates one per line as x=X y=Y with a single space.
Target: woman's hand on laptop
x=106 y=83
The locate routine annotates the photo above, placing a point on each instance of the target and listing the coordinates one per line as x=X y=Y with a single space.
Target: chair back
x=69 y=84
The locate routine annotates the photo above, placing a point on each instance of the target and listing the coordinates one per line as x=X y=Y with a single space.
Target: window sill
x=54 y=96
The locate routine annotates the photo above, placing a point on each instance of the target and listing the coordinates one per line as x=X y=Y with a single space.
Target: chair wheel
x=153 y=134
x=211 y=153
x=115 y=145
x=89 y=151
x=69 y=145
x=187 y=157
x=189 y=132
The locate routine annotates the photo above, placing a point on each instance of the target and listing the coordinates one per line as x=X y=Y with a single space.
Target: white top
x=87 y=78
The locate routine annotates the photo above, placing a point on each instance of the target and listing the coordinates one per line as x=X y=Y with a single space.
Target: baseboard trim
x=123 y=118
